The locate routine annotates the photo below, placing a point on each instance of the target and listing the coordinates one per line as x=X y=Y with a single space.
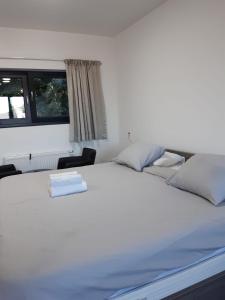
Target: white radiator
x=34 y=161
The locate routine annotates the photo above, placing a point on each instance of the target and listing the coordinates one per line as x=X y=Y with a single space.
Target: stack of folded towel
x=66 y=183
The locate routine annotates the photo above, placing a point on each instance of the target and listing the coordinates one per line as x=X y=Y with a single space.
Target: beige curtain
x=86 y=101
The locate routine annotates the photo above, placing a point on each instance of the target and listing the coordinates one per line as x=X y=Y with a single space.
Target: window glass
x=50 y=96
x=12 y=101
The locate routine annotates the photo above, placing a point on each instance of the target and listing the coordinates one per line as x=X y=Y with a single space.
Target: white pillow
x=169 y=159
x=164 y=172
x=139 y=155
x=204 y=175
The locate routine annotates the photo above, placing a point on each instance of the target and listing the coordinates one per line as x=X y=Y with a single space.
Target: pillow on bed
x=164 y=172
x=139 y=155
x=169 y=159
x=204 y=175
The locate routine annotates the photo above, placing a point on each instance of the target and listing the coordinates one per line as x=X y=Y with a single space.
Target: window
x=33 y=98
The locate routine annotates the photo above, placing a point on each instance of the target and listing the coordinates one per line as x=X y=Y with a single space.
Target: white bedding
x=128 y=229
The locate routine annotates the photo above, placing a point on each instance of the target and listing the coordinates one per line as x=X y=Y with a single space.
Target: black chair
x=8 y=170
x=87 y=158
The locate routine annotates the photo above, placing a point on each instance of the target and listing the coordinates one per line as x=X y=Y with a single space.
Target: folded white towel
x=59 y=176
x=169 y=159
x=63 y=174
x=56 y=191
x=65 y=179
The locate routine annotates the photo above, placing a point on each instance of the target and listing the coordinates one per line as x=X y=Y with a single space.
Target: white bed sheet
x=129 y=229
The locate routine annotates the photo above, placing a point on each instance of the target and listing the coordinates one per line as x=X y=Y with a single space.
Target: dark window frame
x=29 y=102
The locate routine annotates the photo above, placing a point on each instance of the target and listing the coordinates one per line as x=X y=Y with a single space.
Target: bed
x=127 y=238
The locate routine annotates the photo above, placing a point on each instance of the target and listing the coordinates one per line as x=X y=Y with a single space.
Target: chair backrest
x=7 y=168
x=89 y=155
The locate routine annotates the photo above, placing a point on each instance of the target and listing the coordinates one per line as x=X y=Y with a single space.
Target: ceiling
x=98 y=17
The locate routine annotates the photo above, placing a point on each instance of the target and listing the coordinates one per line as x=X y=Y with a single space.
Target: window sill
x=32 y=124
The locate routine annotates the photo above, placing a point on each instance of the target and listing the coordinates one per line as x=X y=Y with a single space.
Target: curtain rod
x=31 y=58
x=37 y=59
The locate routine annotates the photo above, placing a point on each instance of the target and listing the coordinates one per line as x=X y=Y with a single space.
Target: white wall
x=43 y=44
x=171 y=79
x=172 y=76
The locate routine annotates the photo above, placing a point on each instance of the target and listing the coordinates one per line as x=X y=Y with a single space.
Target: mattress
x=126 y=231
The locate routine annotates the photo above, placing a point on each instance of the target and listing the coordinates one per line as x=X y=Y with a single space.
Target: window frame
x=29 y=101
